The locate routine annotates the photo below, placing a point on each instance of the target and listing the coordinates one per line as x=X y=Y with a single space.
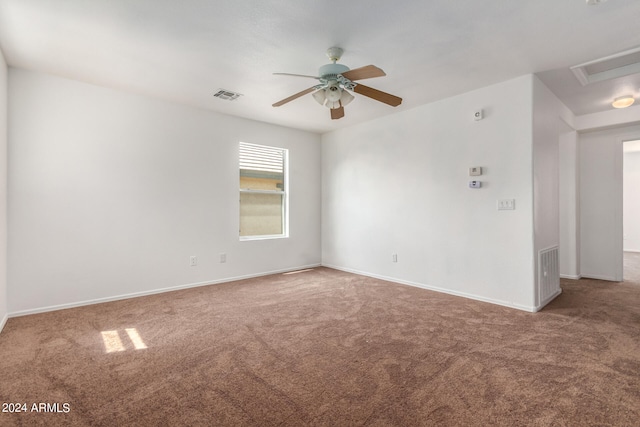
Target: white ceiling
x=186 y=50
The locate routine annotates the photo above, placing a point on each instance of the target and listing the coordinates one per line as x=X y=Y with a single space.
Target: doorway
x=631 y=210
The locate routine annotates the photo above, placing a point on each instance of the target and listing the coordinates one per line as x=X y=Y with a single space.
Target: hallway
x=632 y=267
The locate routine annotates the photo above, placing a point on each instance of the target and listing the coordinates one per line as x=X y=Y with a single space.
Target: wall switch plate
x=193 y=260
x=475 y=184
x=394 y=257
x=475 y=171
x=506 y=204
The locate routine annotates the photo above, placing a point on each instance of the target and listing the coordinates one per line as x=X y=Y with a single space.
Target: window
x=263 y=192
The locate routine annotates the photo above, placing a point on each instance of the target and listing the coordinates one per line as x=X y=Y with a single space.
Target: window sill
x=268 y=237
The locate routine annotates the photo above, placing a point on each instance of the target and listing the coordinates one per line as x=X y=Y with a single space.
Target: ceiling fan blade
x=296 y=75
x=366 y=72
x=292 y=97
x=378 y=95
x=337 y=113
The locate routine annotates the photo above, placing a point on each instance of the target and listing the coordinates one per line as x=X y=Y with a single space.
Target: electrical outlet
x=223 y=258
x=506 y=204
x=394 y=257
x=193 y=260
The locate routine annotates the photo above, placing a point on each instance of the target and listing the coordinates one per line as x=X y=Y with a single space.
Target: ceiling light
x=333 y=93
x=593 y=2
x=623 y=101
x=333 y=97
x=320 y=96
x=346 y=98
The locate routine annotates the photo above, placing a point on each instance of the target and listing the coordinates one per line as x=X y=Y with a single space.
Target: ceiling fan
x=336 y=82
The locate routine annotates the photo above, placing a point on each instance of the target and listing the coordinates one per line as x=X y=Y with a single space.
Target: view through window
x=263 y=191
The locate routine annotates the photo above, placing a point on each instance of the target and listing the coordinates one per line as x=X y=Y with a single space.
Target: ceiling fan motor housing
x=331 y=71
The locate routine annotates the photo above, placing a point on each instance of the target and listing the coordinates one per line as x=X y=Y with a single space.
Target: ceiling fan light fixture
x=623 y=101
x=320 y=96
x=346 y=98
x=333 y=93
x=335 y=83
x=333 y=97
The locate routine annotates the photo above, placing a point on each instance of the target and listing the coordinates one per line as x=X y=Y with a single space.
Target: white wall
x=631 y=200
x=569 y=206
x=546 y=135
x=600 y=154
x=399 y=185
x=110 y=193
x=3 y=191
x=551 y=118
x=612 y=118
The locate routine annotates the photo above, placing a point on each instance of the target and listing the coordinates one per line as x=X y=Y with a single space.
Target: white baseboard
x=3 y=322
x=548 y=300
x=569 y=276
x=597 y=277
x=632 y=250
x=530 y=309
x=150 y=292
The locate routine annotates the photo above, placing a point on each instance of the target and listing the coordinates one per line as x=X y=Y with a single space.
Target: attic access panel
x=608 y=68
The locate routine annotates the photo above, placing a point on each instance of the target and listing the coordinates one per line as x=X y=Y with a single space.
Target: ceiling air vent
x=608 y=68
x=227 y=95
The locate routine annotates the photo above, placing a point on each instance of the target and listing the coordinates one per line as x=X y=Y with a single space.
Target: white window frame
x=284 y=192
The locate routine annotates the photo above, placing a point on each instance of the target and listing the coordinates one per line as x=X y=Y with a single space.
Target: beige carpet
x=327 y=348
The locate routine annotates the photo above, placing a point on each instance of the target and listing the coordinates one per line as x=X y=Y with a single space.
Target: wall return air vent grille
x=227 y=95
x=611 y=67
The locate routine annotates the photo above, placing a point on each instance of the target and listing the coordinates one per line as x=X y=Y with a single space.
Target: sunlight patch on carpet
x=134 y=336
x=113 y=341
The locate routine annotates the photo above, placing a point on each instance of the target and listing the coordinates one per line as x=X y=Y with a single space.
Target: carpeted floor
x=328 y=348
